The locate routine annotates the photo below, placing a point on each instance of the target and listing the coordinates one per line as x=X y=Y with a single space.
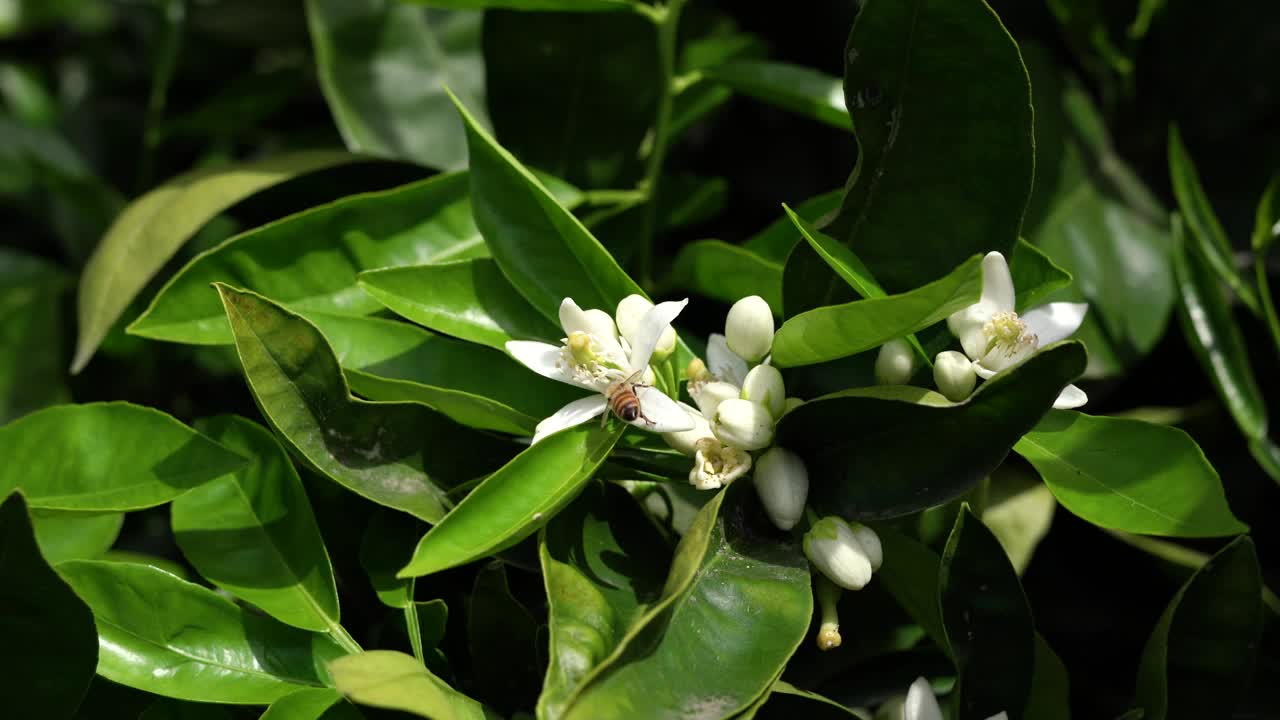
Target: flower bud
x=749 y=328
x=895 y=363
x=686 y=440
x=764 y=385
x=630 y=315
x=782 y=482
x=953 y=374
x=697 y=372
x=743 y=424
x=920 y=703
x=715 y=465
x=835 y=551
x=870 y=543
x=709 y=395
x=828 y=594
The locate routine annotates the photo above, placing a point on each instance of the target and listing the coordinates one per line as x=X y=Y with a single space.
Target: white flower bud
x=709 y=395
x=630 y=314
x=764 y=385
x=953 y=374
x=835 y=551
x=685 y=441
x=870 y=543
x=743 y=424
x=749 y=328
x=715 y=465
x=895 y=363
x=782 y=482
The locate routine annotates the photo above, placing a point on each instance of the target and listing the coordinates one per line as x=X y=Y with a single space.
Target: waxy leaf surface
x=395 y=681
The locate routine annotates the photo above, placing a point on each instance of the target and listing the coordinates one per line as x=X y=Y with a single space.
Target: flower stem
x=412 y=627
x=667 y=20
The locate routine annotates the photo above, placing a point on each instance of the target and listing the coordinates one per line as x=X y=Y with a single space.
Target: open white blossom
x=996 y=338
x=716 y=464
x=922 y=705
x=592 y=357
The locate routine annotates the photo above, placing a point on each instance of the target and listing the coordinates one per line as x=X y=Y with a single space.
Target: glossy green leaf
x=1266 y=222
x=153 y=227
x=1050 y=689
x=601 y=566
x=725 y=272
x=544 y=250
x=170 y=637
x=384 y=67
x=471 y=300
x=392 y=680
x=1214 y=336
x=313 y=704
x=910 y=573
x=252 y=533
x=166 y=709
x=833 y=332
x=573 y=93
x=1200 y=657
x=511 y=504
x=732 y=564
x=473 y=385
x=68 y=535
x=175 y=569
x=987 y=620
x=502 y=636
x=106 y=456
x=799 y=89
x=775 y=241
x=1035 y=275
x=1202 y=223
x=930 y=157
x=1129 y=475
x=31 y=343
x=866 y=442
x=786 y=702
x=1019 y=511
x=50 y=644
x=401 y=455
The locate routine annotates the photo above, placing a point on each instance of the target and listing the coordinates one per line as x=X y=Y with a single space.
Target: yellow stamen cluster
x=1008 y=332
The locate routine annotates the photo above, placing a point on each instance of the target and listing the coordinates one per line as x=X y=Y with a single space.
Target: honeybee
x=622 y=399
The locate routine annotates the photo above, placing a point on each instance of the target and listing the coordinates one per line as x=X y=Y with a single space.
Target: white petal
x=1002 y=715
x=660 y=413
x=982 y=371
x=997 y=283
x=654 y=323
x=967 y=326
x=1055 y=321
x=723 y=363
x=1070 y=397
x=546 y=360
x=575 y=413
x=921 y=704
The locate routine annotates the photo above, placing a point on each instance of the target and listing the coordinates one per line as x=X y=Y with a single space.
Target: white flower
x=749 y=328
x=592 y=357
x=922 y=705
x=630 y=314
x=895 y=363
x=846 y=556
x=994 y=336
x=764 y=385
x=743 y=424
x=782 y=482
x=953 y=374
x=686 y=440
x=716 y=465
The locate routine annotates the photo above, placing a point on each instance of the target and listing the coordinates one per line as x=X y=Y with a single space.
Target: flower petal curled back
x=921 y=704
x=663 y=414
x=1055 y=321
x=575 y=413
x=723 y=362
x=654 y=323
x=546 y=360
x=1070 y=397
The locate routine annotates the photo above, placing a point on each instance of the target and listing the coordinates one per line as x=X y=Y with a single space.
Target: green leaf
x=987 y=620
x=1266 y=225
x=50 y=643
x=31 y=344
x=731 y=565
x=1205 y=230
x=401 y=455
x=106 y=456
x=1129 y=475
x=386 y=546
x=1200 y=657
x=1214 y=336
x=1018 y=510
x=601 y=568
x=511 y=504
x=1035 y=275
x=169 y=637
x=832 y=332
x=502 y=639
x=866 y=443
x=799 y=89
x=152 y=229
x=313 y=704
x=473 y=385
x=68 y=535
x=392 y=680
x=930 y=158
x=165 y=709
x=788 y=701
x=727 y=273
x=253 y=534
x=1050 y=690
x=776 y=240
x=910 y=573
x=544 y=250
x=567 y=5
x=471 y=300
x=572 y=93
x=384 y=67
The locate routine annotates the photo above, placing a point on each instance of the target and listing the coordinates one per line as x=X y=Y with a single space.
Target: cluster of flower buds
x=740 y=397
x=845 y=555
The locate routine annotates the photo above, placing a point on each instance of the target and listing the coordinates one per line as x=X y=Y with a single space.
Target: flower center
x=588 y=361
x=718 y=464
x=1008 y=333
